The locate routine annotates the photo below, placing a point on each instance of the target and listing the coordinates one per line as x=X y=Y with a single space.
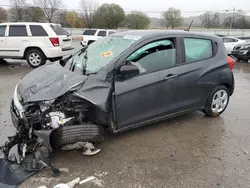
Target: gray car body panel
x=141 y=99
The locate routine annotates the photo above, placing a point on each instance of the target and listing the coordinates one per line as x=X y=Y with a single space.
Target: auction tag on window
x=106 y=54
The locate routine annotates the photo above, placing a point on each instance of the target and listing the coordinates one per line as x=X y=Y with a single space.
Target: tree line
x=108 y=15
x=238 y=21
x=90 y=15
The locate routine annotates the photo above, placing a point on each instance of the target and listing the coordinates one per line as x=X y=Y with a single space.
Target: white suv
x=35 y=42
x=91 y=35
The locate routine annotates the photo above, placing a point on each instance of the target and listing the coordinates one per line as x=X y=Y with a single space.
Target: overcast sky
x=153 y=7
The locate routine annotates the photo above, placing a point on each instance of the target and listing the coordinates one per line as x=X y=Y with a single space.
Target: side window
x=111 y=32
x=228 y=40
x=37 y=30
x=2 y=30
x=155 y=56
x=89 y=32
x=17 y=31
x=102 y=33
x=197 y=49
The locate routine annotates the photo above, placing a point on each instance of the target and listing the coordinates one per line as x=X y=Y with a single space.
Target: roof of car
x=30 y=23
x=151 y=33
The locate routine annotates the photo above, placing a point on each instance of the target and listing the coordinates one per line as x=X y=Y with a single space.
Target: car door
x=17 y=40
x=150 y=94
x=198 y=53
x=2 y=41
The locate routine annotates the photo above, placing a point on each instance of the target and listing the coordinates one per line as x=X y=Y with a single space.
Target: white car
x=91 y=35
x=35 y=42
x=230 y=43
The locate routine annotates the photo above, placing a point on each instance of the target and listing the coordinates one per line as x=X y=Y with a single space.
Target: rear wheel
x=217 y=101
x=35 y=58
x=76 y=133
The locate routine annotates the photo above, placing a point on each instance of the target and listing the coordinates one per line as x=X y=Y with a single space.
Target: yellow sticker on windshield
x=106 y=54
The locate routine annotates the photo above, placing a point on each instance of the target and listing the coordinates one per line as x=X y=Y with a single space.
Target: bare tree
x=210 y=20
x=88 y=9
x=51 y=8
x=3 y=14
x=18 y=9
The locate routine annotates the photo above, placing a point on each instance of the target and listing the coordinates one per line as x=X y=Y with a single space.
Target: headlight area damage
x=69 y=121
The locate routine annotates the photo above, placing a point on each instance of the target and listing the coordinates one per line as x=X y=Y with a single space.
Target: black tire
x=208 y=107
x=76 y=133
x=39 y=54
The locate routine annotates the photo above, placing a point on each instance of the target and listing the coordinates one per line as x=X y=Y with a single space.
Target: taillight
x=54 y=41
x=230 y=62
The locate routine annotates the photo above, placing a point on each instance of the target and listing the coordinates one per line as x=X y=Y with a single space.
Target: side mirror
x=129 y=70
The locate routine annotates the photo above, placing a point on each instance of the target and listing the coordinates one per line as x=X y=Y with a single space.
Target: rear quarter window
x=59 y=30
x=197 y=49
x=102 y=33
x=37 y=30
x=89 y=32
x=2 y=30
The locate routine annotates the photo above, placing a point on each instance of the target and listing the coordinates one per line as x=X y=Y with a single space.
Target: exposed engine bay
x=47 y=125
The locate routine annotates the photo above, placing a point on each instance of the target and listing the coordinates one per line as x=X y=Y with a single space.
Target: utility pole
x=231 y=23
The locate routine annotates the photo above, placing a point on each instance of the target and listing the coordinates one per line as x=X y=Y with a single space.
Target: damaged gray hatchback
x=120 y=82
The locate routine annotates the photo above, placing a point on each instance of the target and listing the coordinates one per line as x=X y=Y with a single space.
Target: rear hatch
x=65 y=39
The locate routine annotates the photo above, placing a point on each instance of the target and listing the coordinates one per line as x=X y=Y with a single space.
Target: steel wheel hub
x=219 y=102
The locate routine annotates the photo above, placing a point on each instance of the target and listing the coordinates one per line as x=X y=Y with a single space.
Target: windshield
x=99 y=54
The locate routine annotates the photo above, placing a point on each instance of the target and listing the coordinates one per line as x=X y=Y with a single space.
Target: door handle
x=171 y=76
x=25 y=40
x=1 y=40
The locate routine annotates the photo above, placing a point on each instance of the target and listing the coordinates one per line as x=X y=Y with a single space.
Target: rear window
x=111 y=32
x=102 y=33
x=89 y=32
x=197 y=49
x=37 y=30
x=17 y=31
x=59 y=30
x=2 y=30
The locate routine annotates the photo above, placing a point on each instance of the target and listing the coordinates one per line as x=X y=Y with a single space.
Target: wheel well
x=32 y=48
x=228 y=86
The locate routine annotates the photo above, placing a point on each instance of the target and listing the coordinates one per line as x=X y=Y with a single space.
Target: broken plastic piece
x=87 y=179
x=245 y=151
x=91 y=152
x=89 y=148
x=70 y=184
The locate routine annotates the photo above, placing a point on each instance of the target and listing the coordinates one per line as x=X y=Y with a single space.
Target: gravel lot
x=190 y=151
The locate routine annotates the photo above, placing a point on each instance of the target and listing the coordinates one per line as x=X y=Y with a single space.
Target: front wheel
x=35 y=58
x=217 y=101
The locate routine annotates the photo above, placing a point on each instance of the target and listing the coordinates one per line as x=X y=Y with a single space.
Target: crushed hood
x=48 y=82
